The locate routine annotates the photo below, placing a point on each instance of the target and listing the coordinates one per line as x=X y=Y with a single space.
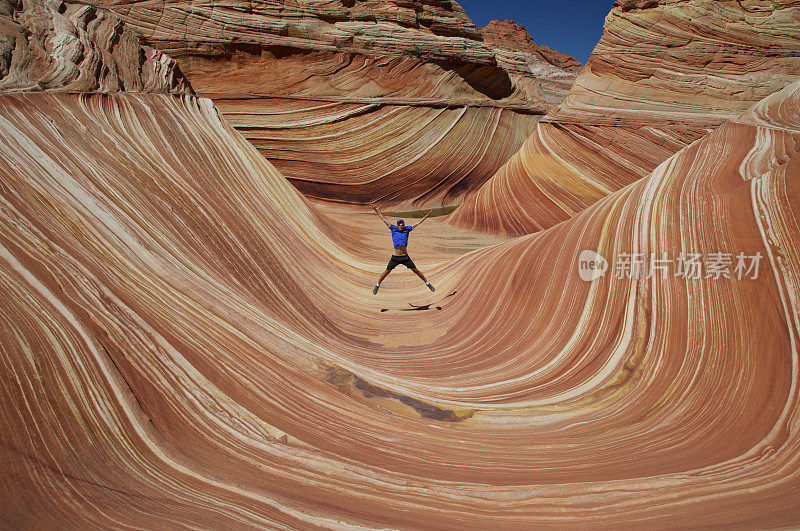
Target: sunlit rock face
x=368 y=46
x=663 y=75
x=59 y=46
x=378 y=101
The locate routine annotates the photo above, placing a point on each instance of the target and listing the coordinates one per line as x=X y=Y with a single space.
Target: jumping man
x=400 y=239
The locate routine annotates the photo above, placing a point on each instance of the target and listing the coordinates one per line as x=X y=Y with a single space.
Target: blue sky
x=569 y=26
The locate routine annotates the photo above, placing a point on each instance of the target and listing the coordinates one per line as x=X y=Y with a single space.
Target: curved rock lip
x=203 y=36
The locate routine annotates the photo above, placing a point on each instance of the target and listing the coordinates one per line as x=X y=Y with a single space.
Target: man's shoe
x=375 y=290
x=430 y=286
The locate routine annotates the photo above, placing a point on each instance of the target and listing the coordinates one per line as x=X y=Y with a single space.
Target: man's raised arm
x=423 y=219
x=381 y=216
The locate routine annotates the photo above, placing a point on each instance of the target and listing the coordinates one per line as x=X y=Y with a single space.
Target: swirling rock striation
x=380 y=153
x=411 y=70
x=664 y=74
x=436 y=35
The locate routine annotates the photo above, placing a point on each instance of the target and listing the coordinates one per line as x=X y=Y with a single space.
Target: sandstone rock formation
x=185 y=341
x=171 y=356
x=663 y=74
x=326 y=90
x=59 y=46
x=436 y=37
x=510 y=35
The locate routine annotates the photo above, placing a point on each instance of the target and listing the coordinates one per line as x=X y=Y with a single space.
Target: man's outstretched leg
x=420 y=275
x=378 y=285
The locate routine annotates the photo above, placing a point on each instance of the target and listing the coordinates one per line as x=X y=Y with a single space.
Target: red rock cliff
x=513 y=36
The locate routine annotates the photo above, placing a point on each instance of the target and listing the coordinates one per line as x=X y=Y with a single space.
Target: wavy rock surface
x=413 y=73
x=375 y=152
x=183 y=345
x=664 y=74
x=435 y=34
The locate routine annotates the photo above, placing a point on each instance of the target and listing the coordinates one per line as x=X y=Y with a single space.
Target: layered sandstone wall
x=433 y=34
x=663 y=74
x=399 y=78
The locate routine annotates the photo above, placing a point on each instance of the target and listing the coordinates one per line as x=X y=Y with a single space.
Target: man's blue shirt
x=400 y=237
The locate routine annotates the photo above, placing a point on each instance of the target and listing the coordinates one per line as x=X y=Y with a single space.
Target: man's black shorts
x=398 y=259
